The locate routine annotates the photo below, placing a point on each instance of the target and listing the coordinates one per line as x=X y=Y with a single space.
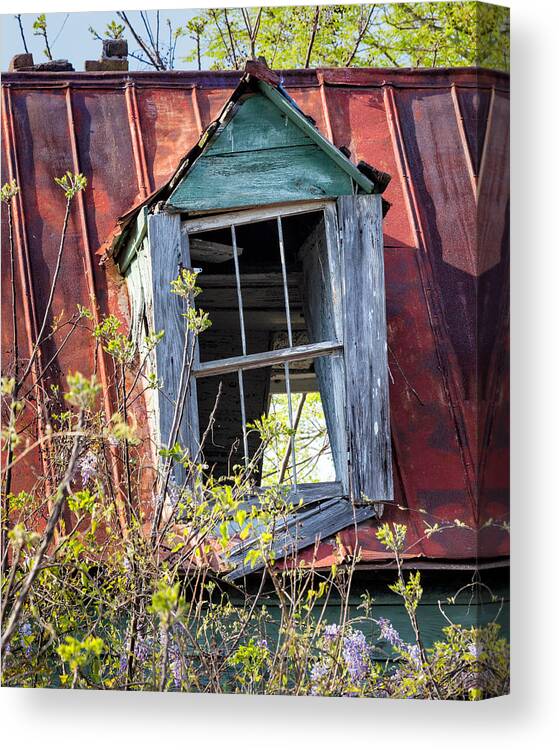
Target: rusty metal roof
x=443 y=136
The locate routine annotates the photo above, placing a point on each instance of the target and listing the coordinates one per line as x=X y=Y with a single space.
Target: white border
x=62 y=719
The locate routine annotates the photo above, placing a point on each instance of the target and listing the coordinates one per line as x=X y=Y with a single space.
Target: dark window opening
x=255 y=288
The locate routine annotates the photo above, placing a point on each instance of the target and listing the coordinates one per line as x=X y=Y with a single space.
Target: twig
x=360 y=36
x=51 y=293
x=289 y=451
x=20 y=24
x=313 y=36
x=145 y=47
x=61 y=495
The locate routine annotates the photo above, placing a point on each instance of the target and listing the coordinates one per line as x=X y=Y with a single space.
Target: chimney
x=24 y=63
x=114 y=57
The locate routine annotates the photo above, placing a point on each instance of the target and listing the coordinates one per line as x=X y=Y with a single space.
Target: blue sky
x=70 y=38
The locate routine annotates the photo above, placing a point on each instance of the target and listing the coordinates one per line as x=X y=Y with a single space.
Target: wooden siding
x=259 y=157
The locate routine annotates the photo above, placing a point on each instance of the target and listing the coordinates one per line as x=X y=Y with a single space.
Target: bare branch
x=313 y=36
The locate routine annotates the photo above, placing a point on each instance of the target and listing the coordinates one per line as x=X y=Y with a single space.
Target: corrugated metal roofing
x=441 y=134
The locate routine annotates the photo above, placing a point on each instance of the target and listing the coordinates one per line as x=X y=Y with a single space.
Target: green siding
x=431 y=621
x=258 y=124
x=259 y=157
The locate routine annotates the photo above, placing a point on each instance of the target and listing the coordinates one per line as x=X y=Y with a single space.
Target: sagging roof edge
x=257 y=77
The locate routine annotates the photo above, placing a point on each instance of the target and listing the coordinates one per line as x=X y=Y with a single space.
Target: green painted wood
x=298 y=118
x=431 y=622
x=257 y=177
x=266 y=153
x=134 y=242
x=258 y=124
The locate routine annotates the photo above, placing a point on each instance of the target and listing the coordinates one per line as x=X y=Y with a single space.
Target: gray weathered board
x=365 y=348
x=301 y=529
x=169 y=253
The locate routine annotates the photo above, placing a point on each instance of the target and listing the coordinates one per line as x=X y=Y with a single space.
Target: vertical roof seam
x=196 y=109
x=142 y=174
x=464 y=140
x=26 y=278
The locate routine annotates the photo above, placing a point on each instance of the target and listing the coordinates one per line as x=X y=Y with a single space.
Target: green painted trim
x=134 y=242
x=299 y=119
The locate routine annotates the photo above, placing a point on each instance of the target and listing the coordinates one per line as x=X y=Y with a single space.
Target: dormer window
x=287 y=234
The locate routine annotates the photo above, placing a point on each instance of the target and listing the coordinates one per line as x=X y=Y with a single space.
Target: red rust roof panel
x=446 y=325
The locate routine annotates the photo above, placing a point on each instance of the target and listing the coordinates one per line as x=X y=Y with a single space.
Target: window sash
x=292 y=353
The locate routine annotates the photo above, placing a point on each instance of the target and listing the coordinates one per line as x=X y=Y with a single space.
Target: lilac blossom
x=318 y=672
x=176 y=664
x=331 y=632
x=142 y=649
x=356 y=652
x=414 y=652
x=88 y=467
x=123 y=663
x=24 y=631
x=389 y=633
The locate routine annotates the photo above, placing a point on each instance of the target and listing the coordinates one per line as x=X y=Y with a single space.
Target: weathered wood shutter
x=365 y=348
x=322 y=299
x=168 y=252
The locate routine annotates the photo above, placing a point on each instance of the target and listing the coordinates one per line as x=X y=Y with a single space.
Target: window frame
x=292 y=353
x=355 y=254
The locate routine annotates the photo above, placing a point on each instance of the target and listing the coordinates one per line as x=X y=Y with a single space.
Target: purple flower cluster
x=331 y=632
x=88 y=468
x=475 y=650
x=318 y=672
x=389 y=634
x=142 y=649
x=356 y=652
x=24 y=631
x=123 y=663
x=176 y=664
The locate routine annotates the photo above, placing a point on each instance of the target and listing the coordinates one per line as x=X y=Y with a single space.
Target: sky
x=70 y=39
